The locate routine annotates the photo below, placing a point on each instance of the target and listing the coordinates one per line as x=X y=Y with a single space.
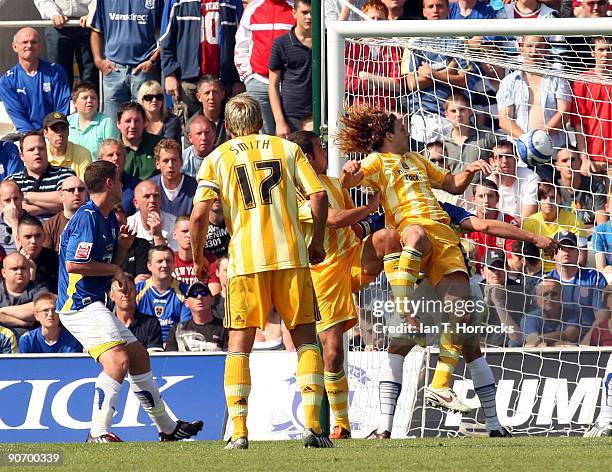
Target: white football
x=535 y=147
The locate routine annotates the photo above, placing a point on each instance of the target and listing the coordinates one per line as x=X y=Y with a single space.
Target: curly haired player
x=429 y=244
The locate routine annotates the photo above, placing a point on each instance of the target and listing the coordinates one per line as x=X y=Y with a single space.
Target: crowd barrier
x=48 y=399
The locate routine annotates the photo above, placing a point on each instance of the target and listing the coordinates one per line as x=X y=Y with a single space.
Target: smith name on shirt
x=255 y=144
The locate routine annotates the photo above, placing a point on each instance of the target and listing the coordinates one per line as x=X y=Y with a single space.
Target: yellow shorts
x=445 y=256
x=334 y=283
x=250 y=298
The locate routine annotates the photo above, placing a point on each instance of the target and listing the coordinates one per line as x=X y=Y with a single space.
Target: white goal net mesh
x=465 y=99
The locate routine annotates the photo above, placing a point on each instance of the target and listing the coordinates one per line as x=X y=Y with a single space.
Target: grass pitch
x=446 y=455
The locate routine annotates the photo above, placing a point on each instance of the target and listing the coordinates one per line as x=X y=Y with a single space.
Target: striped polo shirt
x=50 y=181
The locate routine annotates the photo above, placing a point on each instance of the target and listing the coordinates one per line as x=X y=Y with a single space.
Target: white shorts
x=96 y=328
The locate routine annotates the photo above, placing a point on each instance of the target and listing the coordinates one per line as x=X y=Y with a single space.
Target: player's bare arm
x=318 y=206
x=198 y=229
x=456 y=184
x=505 y=230
x=351 y=174
x=342 y=218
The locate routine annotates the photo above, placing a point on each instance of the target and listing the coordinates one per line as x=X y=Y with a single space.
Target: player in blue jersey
x=91 y=250
x=162 y=295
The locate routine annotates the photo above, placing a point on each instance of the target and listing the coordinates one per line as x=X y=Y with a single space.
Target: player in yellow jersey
x=429 y=244
x=350 y=264
x=257 y=179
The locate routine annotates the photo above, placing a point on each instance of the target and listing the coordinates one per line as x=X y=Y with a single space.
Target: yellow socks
x=237 y=389
x=310 y=383
x=336 y=386
x=447 y=361
x=402 y=270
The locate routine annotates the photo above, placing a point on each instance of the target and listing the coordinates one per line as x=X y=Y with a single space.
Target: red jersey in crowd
x=593 y=111
x=209 y=46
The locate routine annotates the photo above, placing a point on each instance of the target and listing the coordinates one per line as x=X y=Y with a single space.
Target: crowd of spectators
x=168 y=66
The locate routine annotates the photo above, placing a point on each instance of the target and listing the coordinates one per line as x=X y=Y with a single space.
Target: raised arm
x=351 y=174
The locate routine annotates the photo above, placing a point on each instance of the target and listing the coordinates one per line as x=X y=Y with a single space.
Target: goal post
x=543 y=391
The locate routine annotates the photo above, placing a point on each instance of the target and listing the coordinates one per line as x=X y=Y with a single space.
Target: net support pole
x=316 y=65
x=335 y=93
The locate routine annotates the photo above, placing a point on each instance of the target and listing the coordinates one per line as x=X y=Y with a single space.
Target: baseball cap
x=54 y=118
x=197 y=288
x=495 y=258
x=566 y=238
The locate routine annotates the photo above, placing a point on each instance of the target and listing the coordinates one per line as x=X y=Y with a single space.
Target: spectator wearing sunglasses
x=203 y=332
x=159 y=121
x=73 y=195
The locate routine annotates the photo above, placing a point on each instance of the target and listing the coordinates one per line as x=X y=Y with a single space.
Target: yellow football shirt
x=405 y=182
x=566 y=221
x=337 y=240
x=257 y=178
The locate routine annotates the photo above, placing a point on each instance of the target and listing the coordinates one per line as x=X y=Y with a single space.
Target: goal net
x=468 y=90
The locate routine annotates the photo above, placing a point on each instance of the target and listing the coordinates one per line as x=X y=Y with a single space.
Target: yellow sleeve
x=208 y=182
x=348 y=201
x=304 y=212
x=306 y=178
x=371 y=168
x=435 y=173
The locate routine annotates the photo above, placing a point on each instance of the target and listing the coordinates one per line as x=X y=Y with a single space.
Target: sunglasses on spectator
x=198 y=293
x=150 y=96
x=72 y=189
x=599 y=3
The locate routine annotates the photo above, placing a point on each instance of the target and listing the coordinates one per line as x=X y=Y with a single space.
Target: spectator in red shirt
x=262 y=22
x=593 y=109
x=486 y=199
x=183 y=257
x=373 y=73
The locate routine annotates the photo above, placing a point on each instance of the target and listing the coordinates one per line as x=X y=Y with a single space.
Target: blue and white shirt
x=33 y=342
x=88 y=237
x=29 y=98
x=582 y=297
x=168 y=307
x=431 y=99
x=10 y=162
x=129 y=28
x=602 y=240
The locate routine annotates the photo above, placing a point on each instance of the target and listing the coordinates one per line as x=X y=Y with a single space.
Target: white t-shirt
x=524 y=191
x=172 y=194
x=136 y=225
